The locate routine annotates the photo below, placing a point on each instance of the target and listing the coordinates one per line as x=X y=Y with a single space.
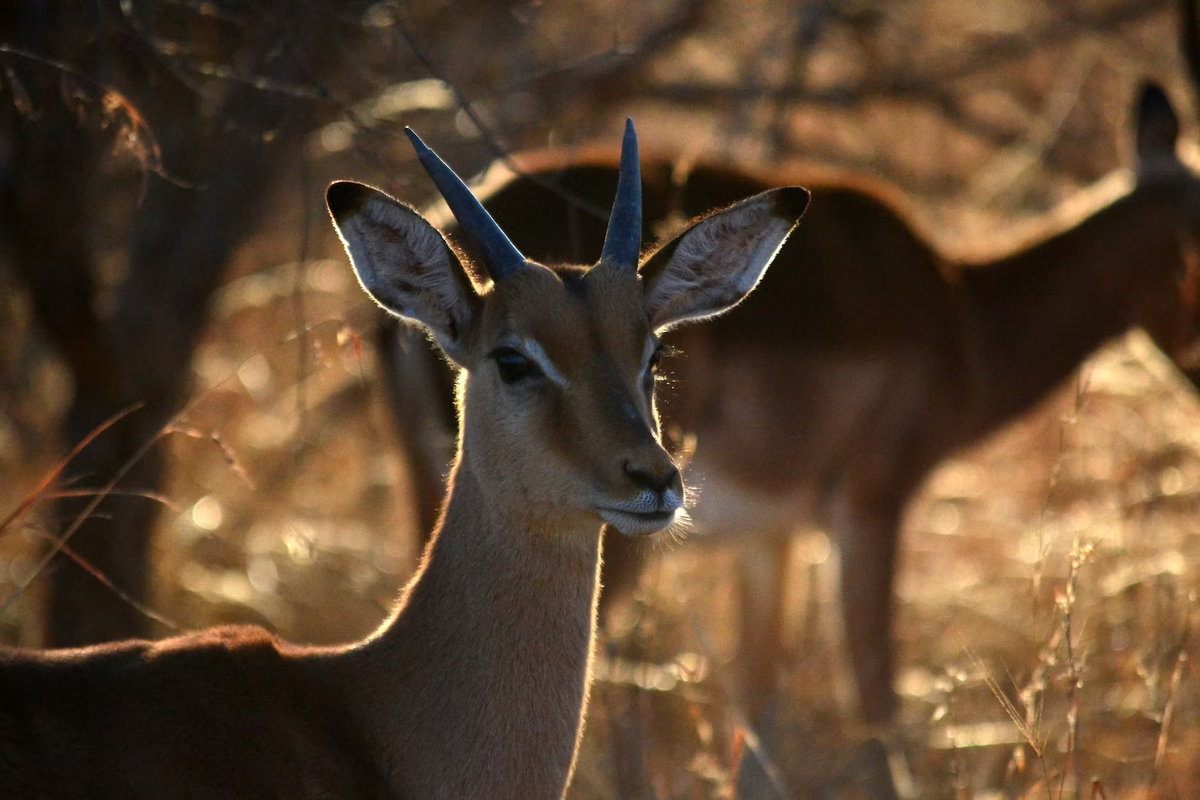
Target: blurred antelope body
x=476 y=686
x=835 y=390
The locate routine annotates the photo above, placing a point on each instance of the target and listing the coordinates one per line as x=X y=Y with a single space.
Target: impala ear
x=403 y=263
x=1157 y=124
x=715 y=263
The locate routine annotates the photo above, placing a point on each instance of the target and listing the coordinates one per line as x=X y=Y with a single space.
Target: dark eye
x=513 y=365
x=652 y=367
x=656 y=358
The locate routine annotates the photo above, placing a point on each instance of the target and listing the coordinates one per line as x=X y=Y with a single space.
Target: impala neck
x=1036 y=315
x=485 y=665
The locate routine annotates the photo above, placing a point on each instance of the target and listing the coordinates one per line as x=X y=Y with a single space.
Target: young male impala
x=476 y=686
x=839 y=385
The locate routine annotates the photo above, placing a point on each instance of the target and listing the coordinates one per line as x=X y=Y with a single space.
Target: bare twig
x=50 y=477
x=136 y=134
x=302 y=337
x=104 y=580
x=1080 y=553
x=42 y=491
x=61 y=541
x=747 y=737
x=174 y=425
x=485 y=132
x=157 y=497
x=1181 y=659
x=932 y=86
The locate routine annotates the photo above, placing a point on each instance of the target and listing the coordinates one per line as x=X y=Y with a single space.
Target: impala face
x=563 y=377
x=559 y=363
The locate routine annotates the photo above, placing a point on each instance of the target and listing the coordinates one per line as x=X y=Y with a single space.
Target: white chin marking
x=639 y=524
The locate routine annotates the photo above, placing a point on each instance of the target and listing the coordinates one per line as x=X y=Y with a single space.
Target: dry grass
x=1047 y=594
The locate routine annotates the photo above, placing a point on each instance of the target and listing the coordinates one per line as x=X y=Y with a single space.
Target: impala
x=837 y=387
x=476 y=685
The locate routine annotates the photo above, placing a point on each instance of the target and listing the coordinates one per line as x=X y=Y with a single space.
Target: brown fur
x=476 y=686
x=867 y=357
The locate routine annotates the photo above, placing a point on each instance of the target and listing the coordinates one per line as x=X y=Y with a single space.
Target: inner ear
x=719 y=259
x=404 y=263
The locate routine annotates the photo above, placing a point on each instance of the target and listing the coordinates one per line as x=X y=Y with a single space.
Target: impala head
x=1170 y=312
x=557 y=396
x=1165 y=302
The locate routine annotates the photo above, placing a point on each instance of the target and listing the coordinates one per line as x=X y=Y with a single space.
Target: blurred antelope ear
x=1157 y=124
x=715 y=263
x=403 y=263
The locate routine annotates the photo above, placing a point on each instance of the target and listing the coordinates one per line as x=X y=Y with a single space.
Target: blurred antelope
x=475 y=687
x=834 y=390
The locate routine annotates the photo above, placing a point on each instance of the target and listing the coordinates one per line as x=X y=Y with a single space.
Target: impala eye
x=653 y=366
x=656 y=358
x=513 y=365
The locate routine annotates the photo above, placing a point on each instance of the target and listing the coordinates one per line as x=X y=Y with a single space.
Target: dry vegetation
x=1048 y=583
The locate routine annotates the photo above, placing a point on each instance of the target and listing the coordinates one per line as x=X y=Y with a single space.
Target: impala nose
x=658 y=501
x=662 y=479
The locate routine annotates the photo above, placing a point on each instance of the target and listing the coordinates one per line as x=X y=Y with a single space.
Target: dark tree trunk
x=180 y=240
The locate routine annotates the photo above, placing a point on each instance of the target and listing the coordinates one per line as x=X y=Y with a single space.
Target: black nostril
x=656 y=481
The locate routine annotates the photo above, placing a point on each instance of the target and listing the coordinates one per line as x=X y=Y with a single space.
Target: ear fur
x=718 y=259
x=403 y=263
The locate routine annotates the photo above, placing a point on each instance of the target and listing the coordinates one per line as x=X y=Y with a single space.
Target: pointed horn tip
x=622 y=242
x=500 y=256
x=417 y=143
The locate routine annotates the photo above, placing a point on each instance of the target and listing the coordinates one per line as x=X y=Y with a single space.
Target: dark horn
x=623 y=241
x=500 y=257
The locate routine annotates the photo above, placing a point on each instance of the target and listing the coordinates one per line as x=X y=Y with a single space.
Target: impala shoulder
x=241 y=641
